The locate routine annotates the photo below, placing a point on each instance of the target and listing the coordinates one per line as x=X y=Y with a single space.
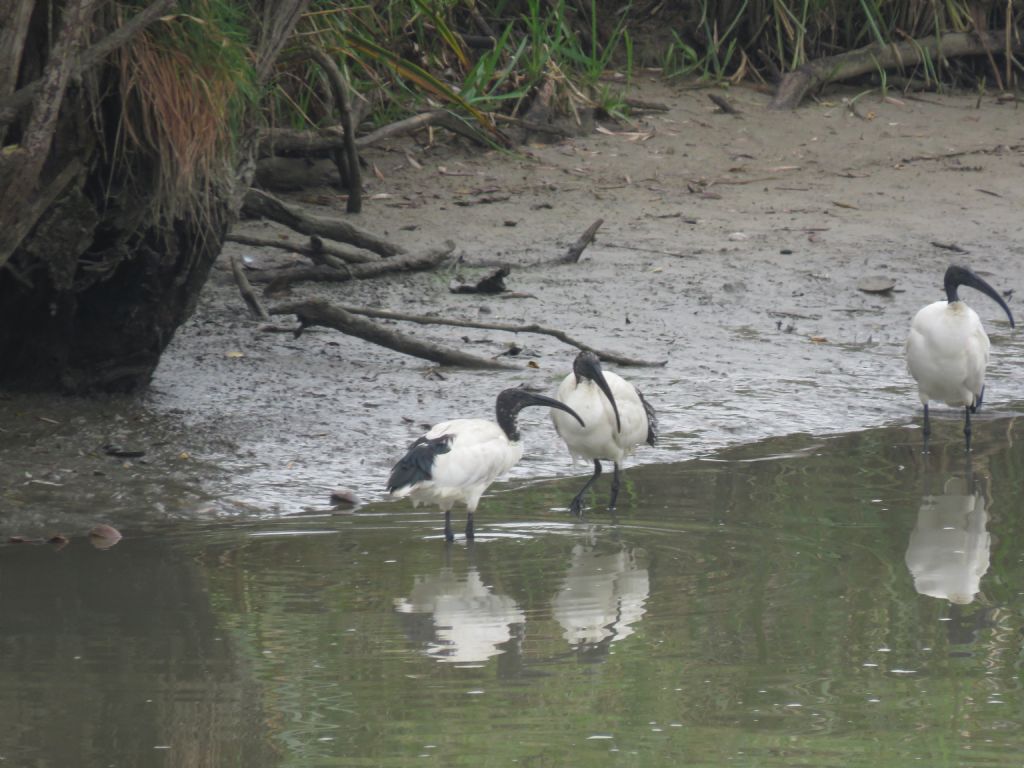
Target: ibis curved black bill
x=587 y=365
x=512 y=401
x=957 y=276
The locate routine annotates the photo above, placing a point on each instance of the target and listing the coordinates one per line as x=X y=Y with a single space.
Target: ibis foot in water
x=927 y=431
x=615 y=488
x=469 y=527
x=576 y=506
x=967 y=429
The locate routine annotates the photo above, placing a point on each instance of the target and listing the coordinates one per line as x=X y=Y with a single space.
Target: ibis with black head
x=615 y=420
x=948 y=349
x=457 y=460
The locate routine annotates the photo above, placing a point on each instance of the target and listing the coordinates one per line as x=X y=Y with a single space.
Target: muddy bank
x=732 y=248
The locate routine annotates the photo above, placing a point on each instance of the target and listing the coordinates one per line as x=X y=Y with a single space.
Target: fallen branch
x=814 y=74
x=315 y=249
x=576 y=249
x=259 y=203
x=321 y=313
x=244 y=288
x=610 y=357
x=411 y=262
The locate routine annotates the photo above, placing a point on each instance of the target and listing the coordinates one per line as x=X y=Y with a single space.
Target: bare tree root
x=610 y=357
x=259 y=203
x=814 y=74
x=323 y=314
x=412 y=262
x=347 y=158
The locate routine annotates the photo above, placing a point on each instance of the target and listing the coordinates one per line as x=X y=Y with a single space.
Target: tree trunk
x=95 y=277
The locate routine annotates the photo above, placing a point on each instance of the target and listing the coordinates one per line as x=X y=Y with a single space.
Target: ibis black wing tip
x=418 y=463
x=652 y=420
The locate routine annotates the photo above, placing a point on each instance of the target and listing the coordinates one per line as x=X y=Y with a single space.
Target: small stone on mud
x=876 y=284
x=739 y=236
x=344 y=497
x=104 y=536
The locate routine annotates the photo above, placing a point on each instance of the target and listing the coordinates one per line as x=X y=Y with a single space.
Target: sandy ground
x=732 y=248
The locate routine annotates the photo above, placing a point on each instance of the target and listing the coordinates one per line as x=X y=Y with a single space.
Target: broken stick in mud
x=321 y=313
x=317 y=250
x=576 y=249
x=244 y=288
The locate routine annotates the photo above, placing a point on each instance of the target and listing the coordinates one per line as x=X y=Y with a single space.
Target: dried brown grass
x=177 y=112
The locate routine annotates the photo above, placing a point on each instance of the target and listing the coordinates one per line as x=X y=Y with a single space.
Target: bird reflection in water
x=468 y=622
x=948 y=551
x=601 y=597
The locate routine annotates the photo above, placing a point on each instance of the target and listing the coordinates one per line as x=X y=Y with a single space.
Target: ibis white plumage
x=947 y=349
x=615 y=420
x=457 y=460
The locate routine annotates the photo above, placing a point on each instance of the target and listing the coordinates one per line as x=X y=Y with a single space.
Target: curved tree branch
x=814 y=74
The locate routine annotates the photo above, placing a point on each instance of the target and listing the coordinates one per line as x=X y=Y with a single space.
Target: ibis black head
x=511 y=401
x=587 y=365
x=957 y=276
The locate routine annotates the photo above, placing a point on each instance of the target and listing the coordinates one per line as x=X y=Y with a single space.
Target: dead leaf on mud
x=841 y=204
x=234 y=355
x=637 y=136
x=819 y=339
x=484 y=199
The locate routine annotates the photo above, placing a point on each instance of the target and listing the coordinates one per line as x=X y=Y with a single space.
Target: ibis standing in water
x=457 y=460
x=615 y=420
x=947 y=349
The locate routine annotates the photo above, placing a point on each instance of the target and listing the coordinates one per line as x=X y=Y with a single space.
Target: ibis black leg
x=469 y=526
x=448 y=535
x=927 y=432
x=615 y=487
x=967 y=429
x=576 y=507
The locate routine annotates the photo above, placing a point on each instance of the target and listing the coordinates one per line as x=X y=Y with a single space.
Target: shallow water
x=799 y=601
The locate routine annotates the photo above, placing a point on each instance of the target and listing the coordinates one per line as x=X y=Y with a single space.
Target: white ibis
x=457 y=460
x=947 y=349
x=616 y=419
